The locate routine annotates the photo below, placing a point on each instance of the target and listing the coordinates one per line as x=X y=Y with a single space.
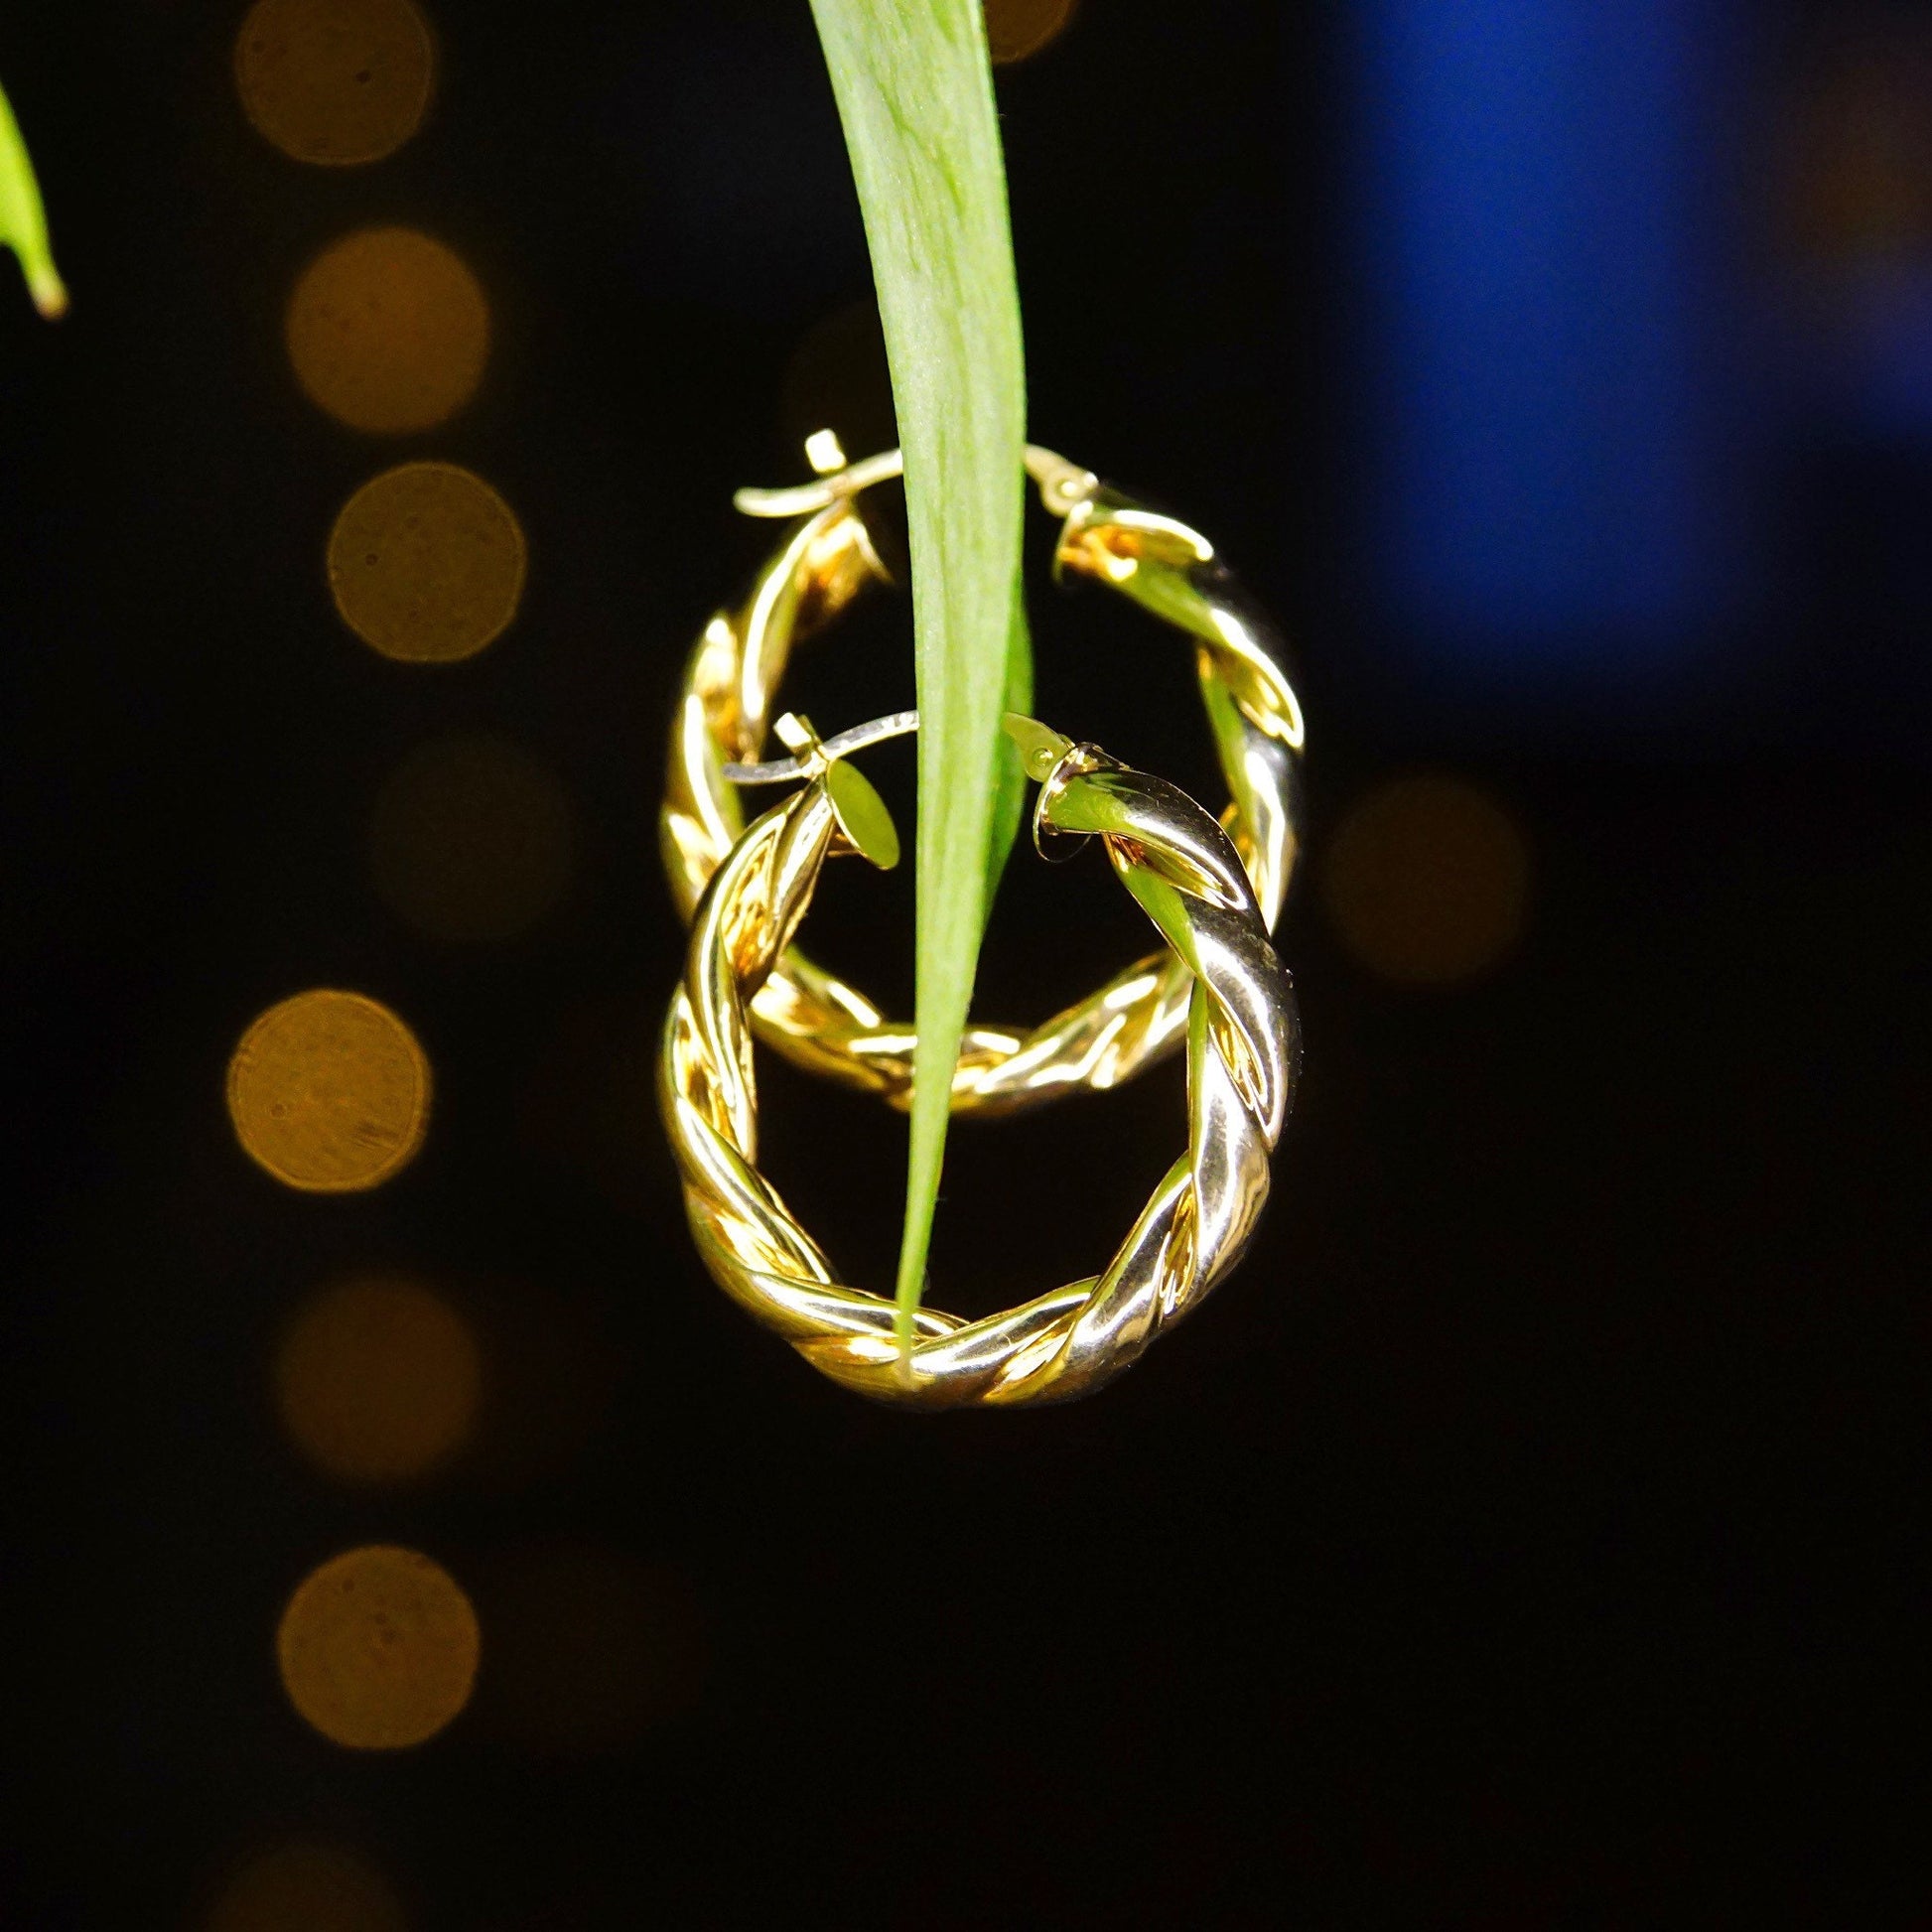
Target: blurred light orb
x=838 y=379
x=1427 y=881
x=426 y=563
x=334 y=81
x=378 y=1379
x=1862 y=128
x=590 y=1648
x=552 y=1368
x=379 y=1648
x=471 y=840
x=1016 y=29
x=330 y=1092
x=388 y=330
x=307 y=1885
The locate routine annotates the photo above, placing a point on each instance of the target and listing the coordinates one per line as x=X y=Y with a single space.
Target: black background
x=1519 y=1540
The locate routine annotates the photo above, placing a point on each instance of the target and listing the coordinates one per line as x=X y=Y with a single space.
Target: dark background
x=1519 y=1540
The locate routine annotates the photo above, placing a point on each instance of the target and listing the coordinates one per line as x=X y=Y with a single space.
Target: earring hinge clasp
x=775 y=772
x=1063 y=486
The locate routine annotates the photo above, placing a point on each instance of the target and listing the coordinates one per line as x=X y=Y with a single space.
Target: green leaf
x=22 y=222
x=916 y=95
x=1008 y=777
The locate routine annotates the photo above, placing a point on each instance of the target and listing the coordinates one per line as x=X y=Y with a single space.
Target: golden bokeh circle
x=388 y=330
x=330 y=1092
x=379 y=1648
x=307 y=1885
x=378 y=1379
x=837 y=378
x=1016 y=29
x=471 y=839
x=1427 y=881
x=334 y=81
x=426 y=563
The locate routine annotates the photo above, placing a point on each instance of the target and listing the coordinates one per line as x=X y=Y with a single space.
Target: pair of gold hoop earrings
x=1212 y=888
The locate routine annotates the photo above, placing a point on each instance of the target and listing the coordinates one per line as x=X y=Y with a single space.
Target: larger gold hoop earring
x=1187 y=877
x=820 y=1022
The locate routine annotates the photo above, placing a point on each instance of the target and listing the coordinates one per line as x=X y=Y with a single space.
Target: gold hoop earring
x=1187 y=877
x=826 y=559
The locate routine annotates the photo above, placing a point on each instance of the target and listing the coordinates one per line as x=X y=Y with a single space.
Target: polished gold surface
x=723 y=715
x=1188 y=875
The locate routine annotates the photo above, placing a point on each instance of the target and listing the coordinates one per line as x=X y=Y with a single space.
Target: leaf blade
x=914 y=89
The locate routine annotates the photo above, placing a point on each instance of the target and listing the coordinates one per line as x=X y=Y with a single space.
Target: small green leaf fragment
x=861 y=814
x=23 y=221
x=1010 y=796
x=1040 y=747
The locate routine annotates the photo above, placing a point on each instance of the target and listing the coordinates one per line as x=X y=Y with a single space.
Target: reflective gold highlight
x=1189 y=878
x=1427 y=881
x=379 y=1648
x=388 y=330
x=471 y=840
x=426 y=563
x=330 y=1092
x=307 y=1885
x=1016 y=29
x=731 y=683
x=378 y=1379
x=334 y=81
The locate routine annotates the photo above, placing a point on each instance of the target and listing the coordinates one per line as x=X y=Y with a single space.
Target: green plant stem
x=914 y=89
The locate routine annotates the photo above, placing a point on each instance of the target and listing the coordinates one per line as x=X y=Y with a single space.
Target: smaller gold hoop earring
x=1242 y=1048
x=826 y=559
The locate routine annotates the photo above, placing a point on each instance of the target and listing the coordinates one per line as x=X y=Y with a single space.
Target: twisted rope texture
x=822 y=1023
x=1241 y=1055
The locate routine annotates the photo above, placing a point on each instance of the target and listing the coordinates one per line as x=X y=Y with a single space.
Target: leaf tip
x=49 y=293
x=1040 y=747
x=862 y=815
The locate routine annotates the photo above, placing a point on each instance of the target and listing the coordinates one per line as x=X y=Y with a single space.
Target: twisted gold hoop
x=827 y=558
x=1188 y=878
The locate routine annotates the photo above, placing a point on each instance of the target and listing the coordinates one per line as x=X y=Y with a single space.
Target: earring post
x=775 y=772
x=1063 y=486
